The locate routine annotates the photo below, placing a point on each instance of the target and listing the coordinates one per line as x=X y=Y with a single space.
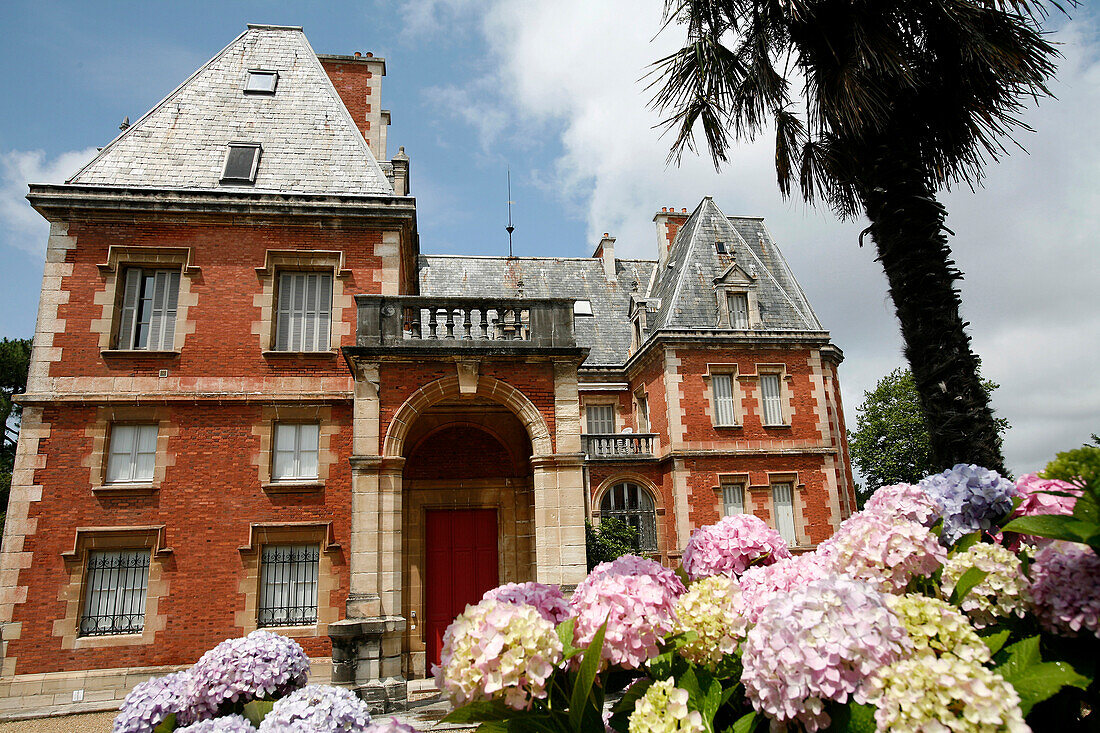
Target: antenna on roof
x=510 y=228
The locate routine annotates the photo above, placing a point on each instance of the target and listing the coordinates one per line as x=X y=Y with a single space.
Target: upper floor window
x=783 y=502
x=721 y=386
x=241 y=163
x=303 y=320
x=632 y=504
x=133 y=453
x=738 y=304
x=261 y=82
x=288 y=585
x=582 y=307
x=150 y=301
x=295 y=454
x=600 y=418
x=770 y=386
x=115 y=586
x=720 y=247
x=642 y=401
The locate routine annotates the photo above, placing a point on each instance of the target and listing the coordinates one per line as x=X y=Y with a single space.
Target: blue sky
x=554 y=90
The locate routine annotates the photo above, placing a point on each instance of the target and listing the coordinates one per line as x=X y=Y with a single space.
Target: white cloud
x=1025 y=242
x=21 y=226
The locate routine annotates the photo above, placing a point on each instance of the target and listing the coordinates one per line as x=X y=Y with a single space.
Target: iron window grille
x=150 y=299
x=303 y=320
x=133 y=454
x=631 y=504
x=241 y=163
x=114 y=595
x=288 y=585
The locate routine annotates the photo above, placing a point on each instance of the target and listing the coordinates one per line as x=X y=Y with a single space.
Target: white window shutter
x=171 y=305
x=130 y=294
x=733 y=499
x=783 y=501
x=324 y=311
x=739 y=310
x=722 y=386
x=773 y=409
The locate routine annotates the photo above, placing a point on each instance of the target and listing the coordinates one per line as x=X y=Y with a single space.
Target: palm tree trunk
x=907 y=224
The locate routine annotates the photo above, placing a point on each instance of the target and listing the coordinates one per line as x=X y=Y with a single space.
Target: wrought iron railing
x=442 y=321
x=288 y=585
x=618 y=445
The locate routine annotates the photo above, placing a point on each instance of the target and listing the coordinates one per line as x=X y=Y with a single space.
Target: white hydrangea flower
x=937 y=628
x=1001 y=594
x=663 y=709
x=712 y=609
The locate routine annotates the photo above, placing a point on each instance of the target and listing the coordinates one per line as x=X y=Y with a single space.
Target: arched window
x=633 y=505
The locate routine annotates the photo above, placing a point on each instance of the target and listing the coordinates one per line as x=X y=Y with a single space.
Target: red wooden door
x=461 y=565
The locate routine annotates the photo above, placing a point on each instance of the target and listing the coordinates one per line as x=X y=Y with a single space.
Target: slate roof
x=310 y=142
x=606 y=332
x=685 y=285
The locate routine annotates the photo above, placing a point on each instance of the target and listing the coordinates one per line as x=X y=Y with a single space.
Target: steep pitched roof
x=606 y=333
x=685 y=285
x=310 y=142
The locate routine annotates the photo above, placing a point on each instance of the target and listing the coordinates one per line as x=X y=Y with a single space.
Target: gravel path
x=88 y=723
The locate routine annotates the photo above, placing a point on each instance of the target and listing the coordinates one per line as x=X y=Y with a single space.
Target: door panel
x=462 y=561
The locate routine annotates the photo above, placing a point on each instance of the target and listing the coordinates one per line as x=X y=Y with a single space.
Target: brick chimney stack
x=605 y=250
x=358 y=80
x=668 y=222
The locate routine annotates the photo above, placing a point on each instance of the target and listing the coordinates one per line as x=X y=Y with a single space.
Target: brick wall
x=353 y=83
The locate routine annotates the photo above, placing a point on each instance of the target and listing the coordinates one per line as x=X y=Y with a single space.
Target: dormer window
x=738 y=304
x=261 y=82
x=241 y=163
x=720 y=248
x=582 y=307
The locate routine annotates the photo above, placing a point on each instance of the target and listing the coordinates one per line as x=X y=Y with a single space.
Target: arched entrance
x=468 y=524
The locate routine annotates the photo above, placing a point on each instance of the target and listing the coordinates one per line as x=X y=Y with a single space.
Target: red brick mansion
x=253 y=401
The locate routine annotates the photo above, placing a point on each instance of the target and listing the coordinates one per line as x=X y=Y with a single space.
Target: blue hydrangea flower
x=149 y=703
x=226 y=724
x=972 y=498
x=317 y=707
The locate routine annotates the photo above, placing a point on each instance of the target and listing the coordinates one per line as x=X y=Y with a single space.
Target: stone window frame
x=654 y=495
x=277 y=261
x=119 y=259
x=100 y=433
x=265 y=431
x=797 y=489
x=638 y=397
x=733 y=479
x=72 y=593
x=723 y=291
x=785 y=380
x=607 y=401
x=261 y=534
x=732 y=370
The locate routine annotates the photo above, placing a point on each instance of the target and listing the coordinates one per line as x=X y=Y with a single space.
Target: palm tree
x=877 y=105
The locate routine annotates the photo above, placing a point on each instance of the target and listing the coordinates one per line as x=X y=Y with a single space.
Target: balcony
x=618 y=446
x=465 y=324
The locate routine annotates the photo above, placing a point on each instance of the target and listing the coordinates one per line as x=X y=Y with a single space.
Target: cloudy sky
x=554 y=90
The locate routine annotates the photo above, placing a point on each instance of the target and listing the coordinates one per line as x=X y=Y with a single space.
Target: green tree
x=15 y=357
x=890 y=444
x=877 y=106
x=610 y=539
x=1076 y=465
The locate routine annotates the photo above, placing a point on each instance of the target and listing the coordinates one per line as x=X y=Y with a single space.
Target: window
x=288 y=585
x=133 y=454
x=295 y=451
x=632 y=504
x=261 y=82
x=304 y=312
x=720 y=247
x=739 y=310
x=722 y=387
x=783 y=501
x=582 y=307
x=733 y=499
x=769 y=391
x=601 y=418
x=241 y=163
x=114 y=592
x=150 y=300
x=643 y=413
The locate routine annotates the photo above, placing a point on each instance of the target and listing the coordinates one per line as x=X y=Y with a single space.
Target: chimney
x=401 y=172
x=358 y=81
x=605 y=250
x=668 y=222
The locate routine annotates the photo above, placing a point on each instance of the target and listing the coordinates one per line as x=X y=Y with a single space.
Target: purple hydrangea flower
x=546 y=599
x=971 y=498
x=262 y=665
x=1065 y=588
x=225 y=724
x=731 y=546
x=149 y=703
x=319 y=708
x=390 y=725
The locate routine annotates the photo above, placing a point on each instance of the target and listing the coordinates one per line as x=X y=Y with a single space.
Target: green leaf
x=660 y=666
x=1018 y=658
x=480 y=711
x=966 y=542
x=966 y=583
x=620 y=718
x=852 y=718
x=586 y=675
x=257 y=709
x=493 y=726
x=1041 y=681
x=682 y=575
x=996 y=640
x=565 y=633
x=746 y=723
x=1054 y=526
x=167 y=725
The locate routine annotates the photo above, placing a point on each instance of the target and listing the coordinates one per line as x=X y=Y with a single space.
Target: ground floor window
x=633 y=505
x=114 y=592
x=288 y=585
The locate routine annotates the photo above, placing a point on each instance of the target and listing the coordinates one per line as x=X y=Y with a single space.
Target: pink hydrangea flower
x=760 y=583
x=816 y=644
x=885 y=551
x=546 y=599
x=1033 y=490
x=904 y=501
x=731 y=546
x=637 y=598
x=1065 y=588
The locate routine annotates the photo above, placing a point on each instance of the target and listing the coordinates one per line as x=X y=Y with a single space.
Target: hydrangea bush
x=317 y=707
x=731 y=546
